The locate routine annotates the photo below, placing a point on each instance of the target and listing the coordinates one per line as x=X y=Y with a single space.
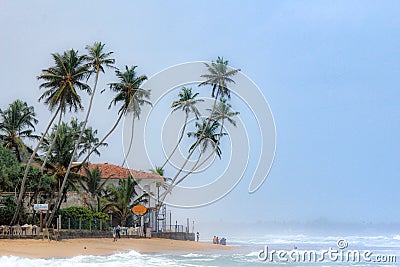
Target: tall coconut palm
x=128 y=89
x=187 y=102
x=129 y=94
x=218 y=77
x=62 y=82
x=206 y=135
x=17 y=123
x=97 y=61
x=223 y=111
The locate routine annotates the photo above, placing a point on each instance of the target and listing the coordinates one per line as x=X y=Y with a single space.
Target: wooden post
x=80 y=223
x=69 y=223
x=101 y=224
x=41 y=222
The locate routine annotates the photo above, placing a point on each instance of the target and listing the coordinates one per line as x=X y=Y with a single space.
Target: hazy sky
x=330 y=71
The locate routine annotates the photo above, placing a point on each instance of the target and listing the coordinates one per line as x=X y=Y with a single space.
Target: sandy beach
x=99 y=246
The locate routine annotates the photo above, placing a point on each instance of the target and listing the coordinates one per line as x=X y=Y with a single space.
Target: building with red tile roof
x=112 y=171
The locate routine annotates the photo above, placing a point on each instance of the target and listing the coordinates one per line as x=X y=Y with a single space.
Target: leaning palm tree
x=187 y=102
x=17 y=123
x=218 y=77
x=97 y=61
x=129 y=93
x=130 y=82
x=61 y=83
x=223 y=111
x=206 y=135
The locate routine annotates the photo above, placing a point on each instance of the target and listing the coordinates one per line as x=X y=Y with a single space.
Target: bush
x=82 y=213
x=7 y=209
x=83 y=218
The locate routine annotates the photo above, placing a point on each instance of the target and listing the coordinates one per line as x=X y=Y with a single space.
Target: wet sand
x=98 y=246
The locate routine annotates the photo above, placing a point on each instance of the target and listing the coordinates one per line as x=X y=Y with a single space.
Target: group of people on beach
x=116 y=232
x=220 y=242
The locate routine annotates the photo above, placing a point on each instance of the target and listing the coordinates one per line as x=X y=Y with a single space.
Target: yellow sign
x=139 y=210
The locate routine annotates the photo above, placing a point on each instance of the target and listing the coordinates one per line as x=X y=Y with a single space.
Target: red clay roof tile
x=117 y=172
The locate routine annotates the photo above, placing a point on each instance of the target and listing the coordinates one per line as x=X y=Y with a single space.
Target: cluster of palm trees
x=63 y=84
x=63 y=143
x=208 y=129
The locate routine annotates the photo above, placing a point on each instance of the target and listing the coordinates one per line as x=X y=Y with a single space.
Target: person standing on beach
x=118 y=230
x=198 y=236
x=114 y=233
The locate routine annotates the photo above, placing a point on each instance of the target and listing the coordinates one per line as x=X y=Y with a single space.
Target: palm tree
x=123 y=198
x=206 y=135
x=97 y=61
x=89 y=141
x=187 y=102
x=129 y=91
x=17 y=123
x=94 y=185
x=129 y=94
x=61 y=83
x=223 y=111
x=63 y=142
x=218 y=77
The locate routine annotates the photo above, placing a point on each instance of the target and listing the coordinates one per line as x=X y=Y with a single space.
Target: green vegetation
x=83 y=213
x=37 y=167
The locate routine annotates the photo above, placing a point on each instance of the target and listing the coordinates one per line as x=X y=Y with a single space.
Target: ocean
x=283 y=250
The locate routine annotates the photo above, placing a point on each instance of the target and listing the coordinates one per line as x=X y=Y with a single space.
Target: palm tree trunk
x=191 y=170
x=179 y=141
x=58 y=204
x=215 y=146
x=171 y=186
x=130 y=142
x=104 y=138
x=52 y=143
x=59 y=197
x=28 y=165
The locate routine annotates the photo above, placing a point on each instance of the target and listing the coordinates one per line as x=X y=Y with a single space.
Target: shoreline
x=68 y=248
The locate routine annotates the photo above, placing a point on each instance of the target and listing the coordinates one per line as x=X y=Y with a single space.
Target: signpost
x=40 y=208
x=140 y=210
